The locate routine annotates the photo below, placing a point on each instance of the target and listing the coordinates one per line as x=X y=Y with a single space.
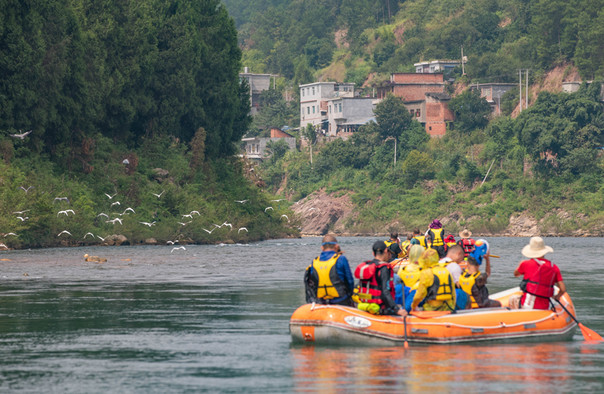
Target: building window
x=417 y=113
x=302 y=92
x=340 y=107
x=430 y=128
x=329 y=108
x=313 y=109
x=313 y=90
x=307 y=110
x=412 y=112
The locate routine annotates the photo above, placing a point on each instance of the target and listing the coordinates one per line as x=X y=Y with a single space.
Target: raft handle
x=419 y=330
x=477 y=330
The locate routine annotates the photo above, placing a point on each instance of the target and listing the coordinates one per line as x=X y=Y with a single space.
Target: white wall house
x=314 y=98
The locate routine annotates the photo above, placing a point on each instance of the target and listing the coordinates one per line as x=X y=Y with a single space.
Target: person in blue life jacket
x=328 y=279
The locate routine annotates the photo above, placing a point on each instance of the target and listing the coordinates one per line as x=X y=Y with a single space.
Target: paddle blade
x=590 y=335
x=406 y=345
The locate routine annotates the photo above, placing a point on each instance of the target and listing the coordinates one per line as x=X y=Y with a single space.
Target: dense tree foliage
x=471 y=111
x=498 y=36
x=123 y=69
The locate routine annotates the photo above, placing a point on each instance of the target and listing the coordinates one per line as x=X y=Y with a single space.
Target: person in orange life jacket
x=540 y=276
x=328 y=279
x=436 y=286
x=418 y=239
x=451 y=261
x=375 y=281
x=435 y=238
x=473 y=282
x=394 y=245
x=467 y=243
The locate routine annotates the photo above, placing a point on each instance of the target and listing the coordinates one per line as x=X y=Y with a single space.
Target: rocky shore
x=321 y=212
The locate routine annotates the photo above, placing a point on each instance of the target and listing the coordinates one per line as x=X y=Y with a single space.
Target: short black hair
x=379 y=247
x=472 y=261
x=393 y=235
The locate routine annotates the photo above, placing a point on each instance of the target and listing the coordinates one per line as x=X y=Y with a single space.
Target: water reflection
x=433 y=368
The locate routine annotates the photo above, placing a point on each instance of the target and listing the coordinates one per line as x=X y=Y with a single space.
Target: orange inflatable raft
x=337 y=325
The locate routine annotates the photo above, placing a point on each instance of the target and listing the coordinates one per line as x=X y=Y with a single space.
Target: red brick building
x=424 y=95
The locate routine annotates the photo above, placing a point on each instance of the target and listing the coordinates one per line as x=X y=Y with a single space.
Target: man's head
x=329 y=242
x=472 y=265
x=381 y=251
x=455 y=253
x=394 y=236
x=416 y=232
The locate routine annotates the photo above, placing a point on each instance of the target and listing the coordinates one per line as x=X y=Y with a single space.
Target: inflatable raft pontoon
x=336 y=325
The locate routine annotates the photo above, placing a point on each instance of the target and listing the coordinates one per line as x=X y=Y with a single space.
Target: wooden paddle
x=588 y=334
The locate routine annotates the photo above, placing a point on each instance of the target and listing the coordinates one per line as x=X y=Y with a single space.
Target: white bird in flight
x=114 y=220
x=268 y=208
x=115 y=203
x=242 y=201
x=22 y=218
x=110 y=197
x=21 y=212
x=22 y=135
x=66 y=212
x=128 y=209
x=197 y=212
x=3 y=246
x=241 y=229
x=148 y=224
x=7 y=234
x=101 y=238
x=187 y=216
x=158 y=195
x=209 y=231
x=26 y=190
x=61 y=199
x=229 y=225
x=185 y=223
x=87 y=234
x=103 y=214
x=285 y=216
x=63 y=232
x=279 y=200
x=178 y=248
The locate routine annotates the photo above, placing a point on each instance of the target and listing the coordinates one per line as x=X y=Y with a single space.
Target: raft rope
x=447 y=324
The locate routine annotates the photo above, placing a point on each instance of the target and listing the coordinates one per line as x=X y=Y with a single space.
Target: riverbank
x=323 y=212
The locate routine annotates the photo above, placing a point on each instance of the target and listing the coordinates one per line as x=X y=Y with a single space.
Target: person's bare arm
x=562 y=288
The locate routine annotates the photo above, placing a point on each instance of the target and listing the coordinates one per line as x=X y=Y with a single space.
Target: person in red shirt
x=540 y=276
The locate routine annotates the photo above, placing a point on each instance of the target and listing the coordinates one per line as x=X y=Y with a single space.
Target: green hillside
x=125 y=100
x=545 y=164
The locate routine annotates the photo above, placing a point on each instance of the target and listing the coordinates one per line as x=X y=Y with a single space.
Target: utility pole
x=520 y=86
x=526 y=90
x=463 y=71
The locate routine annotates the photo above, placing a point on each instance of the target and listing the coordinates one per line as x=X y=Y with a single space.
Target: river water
x=215 y=318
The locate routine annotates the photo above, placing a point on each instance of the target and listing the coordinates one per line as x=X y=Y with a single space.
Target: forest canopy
x=123 y=69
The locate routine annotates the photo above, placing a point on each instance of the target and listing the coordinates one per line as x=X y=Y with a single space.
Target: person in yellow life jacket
x=473 y=282
x=436 y=286
x=435 y=238
x=328 y=279
x=409 y=275
x=418 y=238
x=394 y=245
x=375 y=282
x=405 y=245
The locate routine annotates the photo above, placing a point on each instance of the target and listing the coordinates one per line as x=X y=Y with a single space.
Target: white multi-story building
x=327 y=105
